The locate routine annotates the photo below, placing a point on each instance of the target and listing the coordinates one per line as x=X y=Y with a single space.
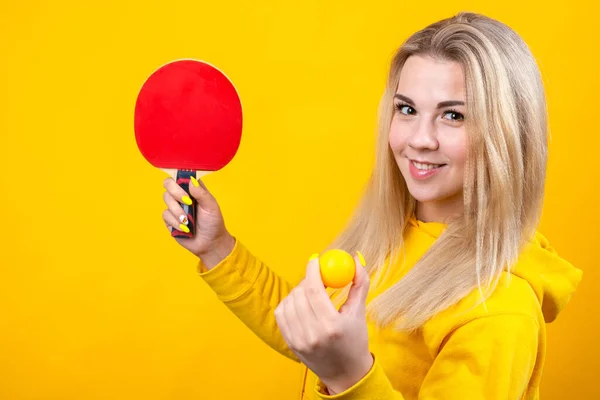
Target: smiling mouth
x=425 y=166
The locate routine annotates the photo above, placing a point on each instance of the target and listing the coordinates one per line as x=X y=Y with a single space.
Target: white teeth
x=425 y=167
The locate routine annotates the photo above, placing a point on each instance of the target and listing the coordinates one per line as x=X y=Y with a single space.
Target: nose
x=424 y=136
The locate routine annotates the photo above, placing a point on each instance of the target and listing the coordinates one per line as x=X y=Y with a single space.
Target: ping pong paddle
x=188 y=122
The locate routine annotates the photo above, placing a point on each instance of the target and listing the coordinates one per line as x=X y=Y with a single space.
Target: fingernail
x=194 y=181
x=187 y=200
x=184 y=228
x=361 y=258
x=183 y=219
x=314 y=257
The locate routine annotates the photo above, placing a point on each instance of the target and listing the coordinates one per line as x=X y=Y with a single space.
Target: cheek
x=456 y=149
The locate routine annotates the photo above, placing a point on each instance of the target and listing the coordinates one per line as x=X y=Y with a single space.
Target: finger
x=295 y=320
x=177 y=191
x=359 y=290
x=172 y=222
x=280 y=317
x=175 y=208
x=361 y=278
x=306 y=318
x=313 y=272
x=200 y=192
x=315 y=290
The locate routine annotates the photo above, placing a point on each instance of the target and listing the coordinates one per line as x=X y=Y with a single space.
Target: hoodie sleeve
x=252 y=291
x=489 y=358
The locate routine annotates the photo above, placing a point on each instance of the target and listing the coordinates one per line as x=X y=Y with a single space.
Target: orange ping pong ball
x=337 y=268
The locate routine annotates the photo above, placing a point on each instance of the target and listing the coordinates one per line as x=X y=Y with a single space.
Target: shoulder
x=513 y=301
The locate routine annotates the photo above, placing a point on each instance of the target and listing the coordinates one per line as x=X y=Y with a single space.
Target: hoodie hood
x=553 y=279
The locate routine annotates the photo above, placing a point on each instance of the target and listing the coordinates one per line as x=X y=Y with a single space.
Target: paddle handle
x=183 y=180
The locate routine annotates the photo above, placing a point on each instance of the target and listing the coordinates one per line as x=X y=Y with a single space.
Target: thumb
x=200 y=192
x=359 y=290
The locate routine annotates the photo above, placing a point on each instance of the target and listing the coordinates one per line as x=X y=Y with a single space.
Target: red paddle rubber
x=183 y=180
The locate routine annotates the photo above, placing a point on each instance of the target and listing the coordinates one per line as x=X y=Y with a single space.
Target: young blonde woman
x=458 y=285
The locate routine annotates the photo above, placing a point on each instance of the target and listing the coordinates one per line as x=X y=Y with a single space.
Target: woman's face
x=428 y=134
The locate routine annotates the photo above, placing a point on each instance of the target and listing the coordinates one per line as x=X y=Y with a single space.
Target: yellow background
x=96 y=300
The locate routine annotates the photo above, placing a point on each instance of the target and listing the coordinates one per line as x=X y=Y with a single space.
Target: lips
x=420 y=170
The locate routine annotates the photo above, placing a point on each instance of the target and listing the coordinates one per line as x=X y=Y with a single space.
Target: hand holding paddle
x=211 y=242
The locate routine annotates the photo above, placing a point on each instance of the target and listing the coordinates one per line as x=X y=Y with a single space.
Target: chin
x=431 y=192
x=426 y=195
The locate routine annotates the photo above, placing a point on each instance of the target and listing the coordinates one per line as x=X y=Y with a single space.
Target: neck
x=440 y=210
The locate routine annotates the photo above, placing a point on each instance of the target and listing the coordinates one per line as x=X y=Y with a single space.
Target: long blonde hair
x=503 y=182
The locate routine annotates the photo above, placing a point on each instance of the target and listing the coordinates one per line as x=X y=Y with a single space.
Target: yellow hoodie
x=469 y=351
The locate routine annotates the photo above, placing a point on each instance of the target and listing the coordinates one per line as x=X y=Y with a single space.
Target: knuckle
x=295 y=347
x=333 y=332
x=313 y=344
x=167 y=197
x=312 y=291
x=302 y=347
x=279 y=310
x=167 y=182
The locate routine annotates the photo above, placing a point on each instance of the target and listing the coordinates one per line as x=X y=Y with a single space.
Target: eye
x=405 y=109
x=453 y=115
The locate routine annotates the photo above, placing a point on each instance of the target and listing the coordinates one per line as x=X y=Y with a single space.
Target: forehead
x=425 y=79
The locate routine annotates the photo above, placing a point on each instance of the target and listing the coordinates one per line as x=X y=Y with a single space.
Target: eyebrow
x=441 y=104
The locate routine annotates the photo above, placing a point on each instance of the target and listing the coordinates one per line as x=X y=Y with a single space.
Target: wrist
x=218 y=252
x=345 y=382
